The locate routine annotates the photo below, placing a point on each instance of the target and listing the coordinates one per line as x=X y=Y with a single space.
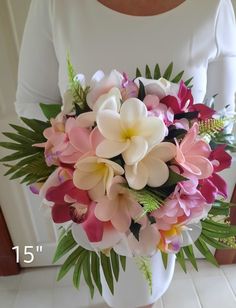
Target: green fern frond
x=144 y=265
x=149 y=200
x=211 y=127
x=78 y=92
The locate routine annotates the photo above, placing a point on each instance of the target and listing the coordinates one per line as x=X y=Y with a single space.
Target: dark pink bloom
x=213 y=186
x=205 y=112
x=71 y=203
x=182 y=102
x=220 y=159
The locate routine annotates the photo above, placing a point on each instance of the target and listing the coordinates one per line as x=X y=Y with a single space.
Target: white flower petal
x=110 y=100
x=86 y=119
x=137 y=149
x=153 y=129
x=136 y=176
x=158 y=172
x=116 y=167
x=86 y=180
x=131 y=111
x=109 y=149
x=108 y=123
x=97 y=191
x=164 y=151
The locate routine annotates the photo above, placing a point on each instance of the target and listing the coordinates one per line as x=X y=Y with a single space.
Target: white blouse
x=199 y=36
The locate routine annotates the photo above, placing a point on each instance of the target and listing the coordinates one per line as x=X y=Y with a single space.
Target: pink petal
x=220 y=183
x=203 y=164
x=92 y=226
x=105 y=209
x=79 y=138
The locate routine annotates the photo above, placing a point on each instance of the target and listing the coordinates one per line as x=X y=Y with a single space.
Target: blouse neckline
x=168 y=13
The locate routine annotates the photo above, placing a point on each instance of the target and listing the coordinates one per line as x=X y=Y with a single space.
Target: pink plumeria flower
x=119 y=206
x=193 y=153
x=67 y=142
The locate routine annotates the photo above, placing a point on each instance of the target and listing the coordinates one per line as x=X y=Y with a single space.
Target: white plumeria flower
x=152 y=169
x=161 y=87
x=131 y=132
x=110 y=101
x=95 y=174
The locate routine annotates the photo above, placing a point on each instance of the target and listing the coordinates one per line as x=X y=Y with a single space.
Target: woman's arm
x=38 y=66
x=222 y=70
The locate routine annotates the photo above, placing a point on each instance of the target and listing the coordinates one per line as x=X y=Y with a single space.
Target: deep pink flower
x=213 y=186
x=220 y=159
x=182 y=102
x=71 y=203
x=204 y=112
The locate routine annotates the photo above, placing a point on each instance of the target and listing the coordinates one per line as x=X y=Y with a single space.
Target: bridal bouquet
x=131 y=165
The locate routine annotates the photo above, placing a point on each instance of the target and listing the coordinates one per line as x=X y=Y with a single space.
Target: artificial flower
x=193 y=153
x=130 y=133
x=152 y=169
x=95 y=174
x=71 y=203
x=109 y=100
x=119 y=206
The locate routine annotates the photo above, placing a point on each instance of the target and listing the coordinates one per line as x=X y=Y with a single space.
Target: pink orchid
x=183 y=205
x=71 y=203
x=129 y=88
x=119 y=207
x=193 y=153
x=215 y=185
x=155 y=108
x=67 y=142
x=180 y=103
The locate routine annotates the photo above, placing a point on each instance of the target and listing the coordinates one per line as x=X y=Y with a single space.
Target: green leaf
x=123 y=262
x=141 y=92
x=157 y=72
x=178 y=77
x=202 y=247
x=65 y=244
x=18 y=155
x=78 y=269
x=28 y=133
x=138 y=73
x=36 y=125
x=95 y=269
x=50 y=110
x=115 y=264
x=216 y=234
x=168 y=71
x=212 y=242
x=87 y=273
x=164 y=257
x=17 y=138
x=187 y=82
x=180 y=258
x=69 y=263
x=188 y=250
x=135 y=229
x=106 y=267
x=148 y=72
x=218 y=227
x=173 y=179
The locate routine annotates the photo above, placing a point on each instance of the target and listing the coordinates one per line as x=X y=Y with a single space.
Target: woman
x=198 y=36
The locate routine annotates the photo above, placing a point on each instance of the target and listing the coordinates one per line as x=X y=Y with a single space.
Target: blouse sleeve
x=222 y=70
x=38 y=66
